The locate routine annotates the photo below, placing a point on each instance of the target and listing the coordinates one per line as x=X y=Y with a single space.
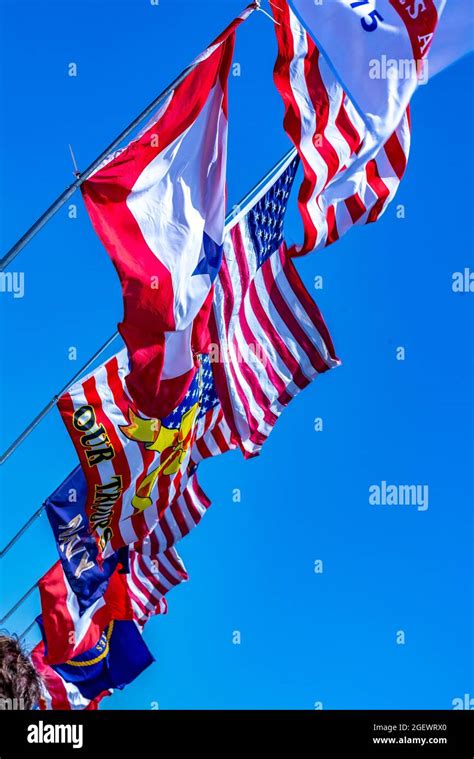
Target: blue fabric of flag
x=265 y=219
x=77 y=548
x=118 y=658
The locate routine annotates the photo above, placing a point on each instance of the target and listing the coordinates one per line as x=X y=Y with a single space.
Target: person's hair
x=18 y=677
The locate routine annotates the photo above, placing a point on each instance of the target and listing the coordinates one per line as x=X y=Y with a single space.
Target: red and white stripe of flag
x=150 y=579
x=105 y=396
x=178 y=520
x=270 y=309
x=338 y=191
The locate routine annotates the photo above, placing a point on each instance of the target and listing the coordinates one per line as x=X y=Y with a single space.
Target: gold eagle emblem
x=172 y=443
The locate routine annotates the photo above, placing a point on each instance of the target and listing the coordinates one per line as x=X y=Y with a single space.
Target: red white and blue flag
x=68 y=629
x=270 y=340
x=58 y=694
x=136 y=467
x=350 y=177
x=117 y=658
x=158 y=206
x=86 y=576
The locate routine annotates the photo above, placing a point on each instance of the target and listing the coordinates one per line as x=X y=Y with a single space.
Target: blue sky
x=305 y=637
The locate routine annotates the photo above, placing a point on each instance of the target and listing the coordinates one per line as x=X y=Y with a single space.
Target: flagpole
x=45 y=411
x=30 y=627
x=18 y=603
x=69 y=191
x=23 y=529
x=232 y=218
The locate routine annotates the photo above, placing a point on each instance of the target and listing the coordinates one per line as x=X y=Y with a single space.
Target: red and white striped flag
x=178 y=520
x=270 y=340
x=149 y=580
x=341 y=187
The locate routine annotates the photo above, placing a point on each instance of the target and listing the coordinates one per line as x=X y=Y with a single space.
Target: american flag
x=339 y=188
x=213 y=434
x=184 y=513
x=270 y=336
x=149 y=580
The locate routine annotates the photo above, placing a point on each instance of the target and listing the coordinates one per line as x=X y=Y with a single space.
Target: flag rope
x=69 y=191
x=232 y=218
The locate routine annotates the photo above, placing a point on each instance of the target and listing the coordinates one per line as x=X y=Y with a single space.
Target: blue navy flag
x=119 y=657
x=77 y=548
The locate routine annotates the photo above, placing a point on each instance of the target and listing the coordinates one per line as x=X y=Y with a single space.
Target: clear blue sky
x=305 y=637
